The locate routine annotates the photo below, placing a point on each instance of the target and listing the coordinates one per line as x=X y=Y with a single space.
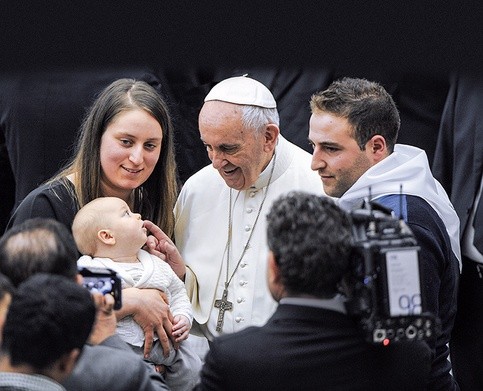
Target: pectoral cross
x=224 y=305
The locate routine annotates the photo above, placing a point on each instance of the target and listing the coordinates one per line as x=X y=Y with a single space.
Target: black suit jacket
x=308 y=348
x=458 y=161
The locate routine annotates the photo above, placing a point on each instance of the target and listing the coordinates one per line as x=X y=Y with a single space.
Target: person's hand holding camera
x=105 y=324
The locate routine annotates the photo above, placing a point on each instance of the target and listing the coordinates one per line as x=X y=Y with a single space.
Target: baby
x=111 y=236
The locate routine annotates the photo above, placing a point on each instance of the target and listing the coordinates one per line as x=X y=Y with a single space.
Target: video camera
x=384 y=282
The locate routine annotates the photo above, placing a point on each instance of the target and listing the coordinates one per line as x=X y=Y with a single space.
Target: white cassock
x=201 y=233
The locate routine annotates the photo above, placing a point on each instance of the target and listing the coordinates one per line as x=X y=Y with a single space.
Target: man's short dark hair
x=38 y=245
x=310 y=237
x=49 y=316
x=365 y=104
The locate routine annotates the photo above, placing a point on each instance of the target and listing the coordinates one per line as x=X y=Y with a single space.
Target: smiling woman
x=125 y=149
x=130 y=149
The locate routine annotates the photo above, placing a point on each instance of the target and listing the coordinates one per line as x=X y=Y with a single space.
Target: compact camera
x=384 y=282
x=103 y=280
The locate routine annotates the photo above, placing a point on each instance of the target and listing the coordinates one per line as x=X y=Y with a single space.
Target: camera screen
x=99 y=284
x=404 y=287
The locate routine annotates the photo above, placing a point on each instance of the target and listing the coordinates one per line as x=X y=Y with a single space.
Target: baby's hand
x=181 y=328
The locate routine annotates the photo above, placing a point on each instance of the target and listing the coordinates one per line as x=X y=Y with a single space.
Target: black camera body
x=103 y=280
x=383 y=285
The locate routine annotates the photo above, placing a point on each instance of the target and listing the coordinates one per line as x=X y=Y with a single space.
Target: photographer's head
x=48 y=322
x=309 y=238
x=43 y=245
x=354 y=125
x=38 y=245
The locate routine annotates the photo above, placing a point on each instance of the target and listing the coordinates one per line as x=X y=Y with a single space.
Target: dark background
x=365 y=37
x=55 y=56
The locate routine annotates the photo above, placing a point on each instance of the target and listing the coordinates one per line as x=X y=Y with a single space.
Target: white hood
x=407 y=166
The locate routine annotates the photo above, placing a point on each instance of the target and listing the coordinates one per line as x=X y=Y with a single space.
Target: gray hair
x=255 y=117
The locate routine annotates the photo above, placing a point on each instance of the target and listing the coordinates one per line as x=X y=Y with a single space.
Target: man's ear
x=273 y=270
x=68 y=360
x=270 y=137
x=377 y=148
x=106 y=237
x=274 y=279
x=64 y=366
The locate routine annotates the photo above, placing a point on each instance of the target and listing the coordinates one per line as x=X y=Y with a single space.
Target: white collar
x=283 y=160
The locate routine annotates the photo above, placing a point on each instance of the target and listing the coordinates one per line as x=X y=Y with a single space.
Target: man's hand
x=105 y=323
x=161 y=245
x=150 y=311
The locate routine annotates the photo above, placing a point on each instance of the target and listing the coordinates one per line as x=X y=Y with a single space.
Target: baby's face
x=127 y=226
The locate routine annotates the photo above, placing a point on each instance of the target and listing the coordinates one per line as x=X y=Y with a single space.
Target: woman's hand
x=150 y=311
x=159 y=244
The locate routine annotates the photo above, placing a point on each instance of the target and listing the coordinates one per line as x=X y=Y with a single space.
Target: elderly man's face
x=239 y=154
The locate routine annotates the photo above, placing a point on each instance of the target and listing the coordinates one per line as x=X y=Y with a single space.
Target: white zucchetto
x=242 y=90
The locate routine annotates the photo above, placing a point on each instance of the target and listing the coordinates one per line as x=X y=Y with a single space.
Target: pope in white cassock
x=220 y=213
